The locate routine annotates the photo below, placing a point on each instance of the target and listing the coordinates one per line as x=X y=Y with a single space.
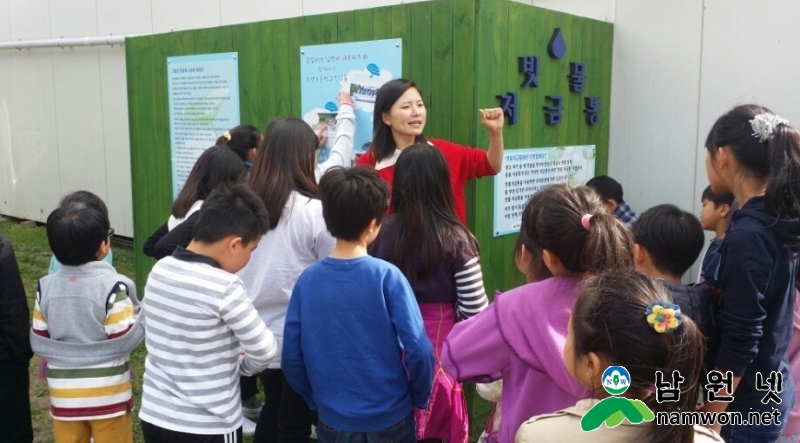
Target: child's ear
x=234 y=244
x=639 y=254
x=596 y=364
x=723 y=210
x=103 y=249
x=553 y=263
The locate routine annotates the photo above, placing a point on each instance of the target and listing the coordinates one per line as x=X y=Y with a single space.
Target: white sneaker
x=313 y=432
x=248 y=427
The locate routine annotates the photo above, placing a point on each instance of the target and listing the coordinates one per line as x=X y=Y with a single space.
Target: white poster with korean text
x=526 y=171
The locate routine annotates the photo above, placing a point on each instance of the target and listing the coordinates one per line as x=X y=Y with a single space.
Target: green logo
x=612 y=410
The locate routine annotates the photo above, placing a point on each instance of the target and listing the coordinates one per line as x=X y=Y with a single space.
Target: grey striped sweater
x=198 y=318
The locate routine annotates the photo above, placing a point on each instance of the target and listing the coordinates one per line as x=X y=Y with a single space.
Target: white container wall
x=677 y=66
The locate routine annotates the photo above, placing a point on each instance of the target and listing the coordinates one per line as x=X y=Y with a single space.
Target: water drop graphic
x=557 y=47
x=374 y=70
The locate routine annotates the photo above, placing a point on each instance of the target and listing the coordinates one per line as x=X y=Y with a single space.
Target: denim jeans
x=403 y=431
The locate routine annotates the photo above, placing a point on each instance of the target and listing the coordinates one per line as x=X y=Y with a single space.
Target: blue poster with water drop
x=359 y=68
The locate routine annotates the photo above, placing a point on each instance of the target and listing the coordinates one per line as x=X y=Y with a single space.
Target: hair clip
x=664 y=316
x=227 y=135
x=586 y=222
x=764 y=126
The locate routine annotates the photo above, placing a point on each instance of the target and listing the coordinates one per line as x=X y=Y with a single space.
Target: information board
x=203 y=103
x=359 y=68
x=526 y=171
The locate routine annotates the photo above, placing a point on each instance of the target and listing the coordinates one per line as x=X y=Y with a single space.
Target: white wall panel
x=749 y=56
x=73 y=18
x=35 y=159
x=596 y=9
x=311 y=7
x=5 y=21
x=177 y=15
x=124 y=17
x=29 y=19
x=79 y=123
x=656 y=70
x=116 y=138
x=244 y=11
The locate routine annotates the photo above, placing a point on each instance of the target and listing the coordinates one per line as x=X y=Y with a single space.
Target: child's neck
x=346 y=249
x=747 y=189
x=720 y=231
x=650 y=269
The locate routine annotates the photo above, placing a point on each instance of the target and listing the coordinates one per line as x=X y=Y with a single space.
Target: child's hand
x=322 y=138
x=493 y=119
x=242 y=352
x=344 y=97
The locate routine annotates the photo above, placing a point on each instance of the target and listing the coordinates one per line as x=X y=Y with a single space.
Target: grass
x=33 y=256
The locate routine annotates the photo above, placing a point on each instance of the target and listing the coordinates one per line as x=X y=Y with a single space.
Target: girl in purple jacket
x=520 y=337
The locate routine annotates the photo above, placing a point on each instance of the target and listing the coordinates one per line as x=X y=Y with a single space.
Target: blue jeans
x=403 y=431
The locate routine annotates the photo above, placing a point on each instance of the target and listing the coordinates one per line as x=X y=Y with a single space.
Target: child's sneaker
x=251 y=408
x=248 y=427
x=313 y=432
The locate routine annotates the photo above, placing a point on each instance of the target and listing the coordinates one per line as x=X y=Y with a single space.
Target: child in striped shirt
x=84 y=323
x=202 y=329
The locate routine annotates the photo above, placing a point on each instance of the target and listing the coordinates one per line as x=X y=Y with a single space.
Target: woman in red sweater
x=398 y=123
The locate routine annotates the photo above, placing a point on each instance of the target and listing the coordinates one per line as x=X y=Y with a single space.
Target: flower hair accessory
x=764 y=126
x=664 y=316
x=227 y=135
x=586 y=222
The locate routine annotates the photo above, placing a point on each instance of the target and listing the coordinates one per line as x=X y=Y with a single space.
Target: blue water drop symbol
x=331 y=107
x=374 y=70
x=557 y=47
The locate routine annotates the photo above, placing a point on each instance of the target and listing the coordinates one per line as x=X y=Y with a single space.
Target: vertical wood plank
x=419 y=51
x=441 y=63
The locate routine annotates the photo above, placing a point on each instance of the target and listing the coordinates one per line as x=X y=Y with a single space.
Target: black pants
x=15 y=405
x=285 y=417
x=249 y=386
x=155 y=434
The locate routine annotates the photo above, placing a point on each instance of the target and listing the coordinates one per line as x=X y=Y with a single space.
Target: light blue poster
x=526 y=171
x=203 y=103
x=360 y=68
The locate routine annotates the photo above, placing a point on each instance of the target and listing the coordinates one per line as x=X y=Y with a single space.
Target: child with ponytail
x=520 y=337
x=755 y=155
x=610 y=326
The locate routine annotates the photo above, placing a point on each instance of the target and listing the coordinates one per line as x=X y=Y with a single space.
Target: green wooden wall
x=462 y=53
x=506 y=30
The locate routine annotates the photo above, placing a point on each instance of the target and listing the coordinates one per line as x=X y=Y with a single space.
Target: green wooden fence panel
x=461 y=53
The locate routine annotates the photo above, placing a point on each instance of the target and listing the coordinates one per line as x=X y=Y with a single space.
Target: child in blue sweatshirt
x=354 y=344
x=755 y=155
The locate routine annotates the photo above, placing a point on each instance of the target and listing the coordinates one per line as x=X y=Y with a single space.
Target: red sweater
x=465 y=164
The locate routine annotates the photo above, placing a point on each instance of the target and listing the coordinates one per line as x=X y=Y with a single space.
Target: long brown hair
x=609 y=319
x=552 y=219
x=424 y=210
x=285 y=163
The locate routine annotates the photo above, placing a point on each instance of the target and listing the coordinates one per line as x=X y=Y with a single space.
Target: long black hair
x=776 y=159
x=216 y=166
x=285 y=163
x=383 y=145
x=241 y=140
x=424 y=210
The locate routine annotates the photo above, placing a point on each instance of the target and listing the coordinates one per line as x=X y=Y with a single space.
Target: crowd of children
x=356 y=296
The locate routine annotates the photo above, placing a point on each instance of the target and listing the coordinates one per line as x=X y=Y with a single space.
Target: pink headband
x=585 y=221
